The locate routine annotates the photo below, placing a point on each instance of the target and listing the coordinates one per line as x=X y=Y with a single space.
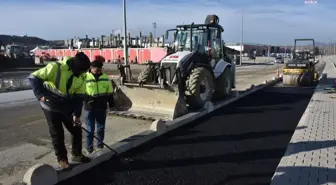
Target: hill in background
x=22 y=40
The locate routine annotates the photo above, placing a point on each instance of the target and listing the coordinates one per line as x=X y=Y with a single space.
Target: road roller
x=301 y=70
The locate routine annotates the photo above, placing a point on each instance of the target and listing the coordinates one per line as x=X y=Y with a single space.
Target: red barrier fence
x=111 y=54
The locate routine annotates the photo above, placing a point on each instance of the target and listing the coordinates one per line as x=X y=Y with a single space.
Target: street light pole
x=268 y=52
x=242 y=33
x=125 y=33
x=241 y=37
x=154 y=29
x=154 y=26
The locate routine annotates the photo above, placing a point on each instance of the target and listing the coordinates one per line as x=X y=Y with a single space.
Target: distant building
x=260 y=49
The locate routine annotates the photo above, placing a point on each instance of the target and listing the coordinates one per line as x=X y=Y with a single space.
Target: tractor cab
x=201 y=38
x=2 y=49
x=14 y=51
x=303 y=55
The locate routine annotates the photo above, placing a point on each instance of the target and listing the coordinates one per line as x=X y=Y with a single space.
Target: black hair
x=97 y=63
x=80 y=62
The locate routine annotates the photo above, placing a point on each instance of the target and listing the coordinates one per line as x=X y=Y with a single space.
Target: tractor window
x=199 y=38
x=215 y=43
x=16 y=49
x=2 y=48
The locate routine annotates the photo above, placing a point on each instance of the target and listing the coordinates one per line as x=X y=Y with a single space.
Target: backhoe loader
x=195 y=73
x=13 y=56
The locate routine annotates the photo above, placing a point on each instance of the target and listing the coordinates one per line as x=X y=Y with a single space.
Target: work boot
x=89 y=151
x=99 y=148
x=64 y=164
x=80 y=158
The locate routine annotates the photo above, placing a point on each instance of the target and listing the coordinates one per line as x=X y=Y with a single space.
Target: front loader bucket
x=150 y=101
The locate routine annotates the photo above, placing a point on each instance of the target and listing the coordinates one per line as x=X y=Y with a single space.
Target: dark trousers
x=91 y=118
x=56 y=131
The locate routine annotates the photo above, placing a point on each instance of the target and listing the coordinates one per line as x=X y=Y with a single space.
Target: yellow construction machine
x=301 y=71
x=195 y=74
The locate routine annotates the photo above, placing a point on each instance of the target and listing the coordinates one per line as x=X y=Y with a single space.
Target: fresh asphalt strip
x=239 y=144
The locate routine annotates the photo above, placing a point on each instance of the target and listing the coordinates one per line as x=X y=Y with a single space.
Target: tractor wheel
x=224 y=85
x=199 y=87
x=306 y=79
x=146 y=74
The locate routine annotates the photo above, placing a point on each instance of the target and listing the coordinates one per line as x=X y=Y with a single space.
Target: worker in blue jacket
x=60 y=88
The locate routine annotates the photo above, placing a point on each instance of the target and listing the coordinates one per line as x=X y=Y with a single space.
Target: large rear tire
x=224 y=85
x=147 y=74
x=199 y=87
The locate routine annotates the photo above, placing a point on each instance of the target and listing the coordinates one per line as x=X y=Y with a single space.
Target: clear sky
x=265 y=21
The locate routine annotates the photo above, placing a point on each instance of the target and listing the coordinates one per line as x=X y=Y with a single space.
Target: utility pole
x=241 y=37
x=285 y=50
x=125 y=33
x=242 y=31
x=154 y=27
x=268 y=53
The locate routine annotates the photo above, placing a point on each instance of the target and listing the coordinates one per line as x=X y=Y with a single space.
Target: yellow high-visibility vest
x=57 y=76
x=98 y=87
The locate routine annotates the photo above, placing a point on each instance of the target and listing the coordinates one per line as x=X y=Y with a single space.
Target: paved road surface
x=238 y=144
x=24 y=135
x=18 y=121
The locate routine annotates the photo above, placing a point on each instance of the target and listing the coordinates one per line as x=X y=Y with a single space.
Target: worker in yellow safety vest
x=99 y=92
x=60 y=88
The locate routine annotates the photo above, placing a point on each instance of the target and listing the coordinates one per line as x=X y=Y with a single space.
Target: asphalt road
x=239 y=144
x=24 y=136
x=22 y=124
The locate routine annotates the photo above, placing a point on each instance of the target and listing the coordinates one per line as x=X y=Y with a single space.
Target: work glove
x=112 y=107
x=76 y=121
x=43 y=99
x=111 y=104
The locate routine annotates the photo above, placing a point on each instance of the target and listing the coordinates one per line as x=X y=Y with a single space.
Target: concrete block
x=236 y=93
x=159 y=126
x=209 y=106
x=41 y=174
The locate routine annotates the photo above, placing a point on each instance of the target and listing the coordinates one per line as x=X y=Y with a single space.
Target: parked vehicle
x=279 y=60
